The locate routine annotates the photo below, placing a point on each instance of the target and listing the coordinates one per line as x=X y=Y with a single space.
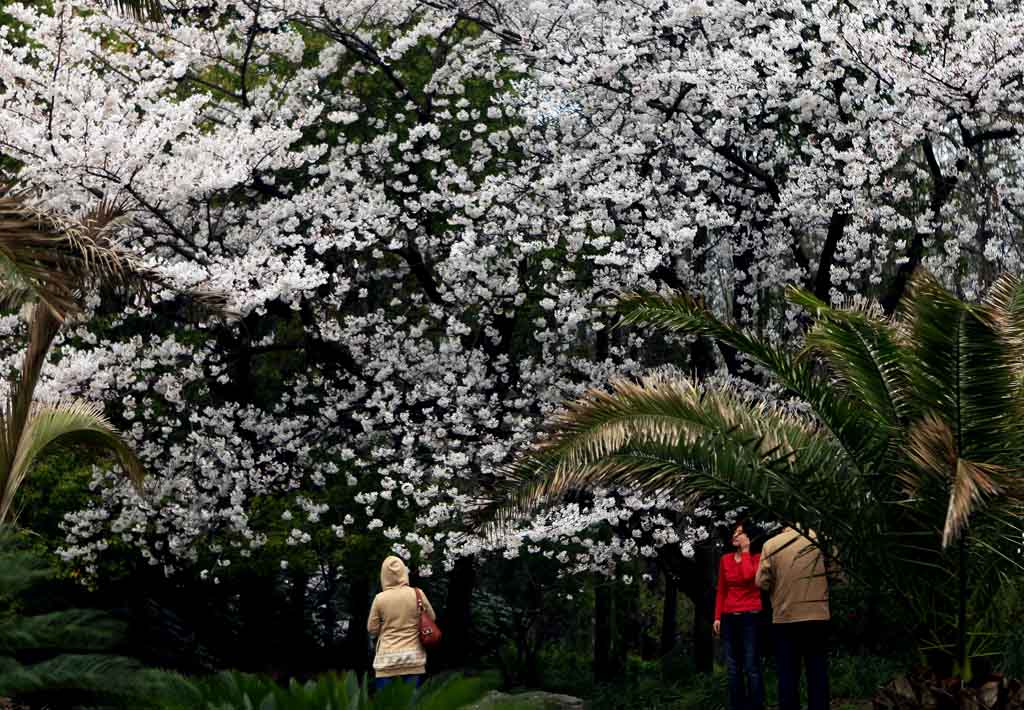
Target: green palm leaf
x=863 y=350
x=863 y=439
x=668 y=437
x=49 y=263
x=78 y=630
x=75 y=422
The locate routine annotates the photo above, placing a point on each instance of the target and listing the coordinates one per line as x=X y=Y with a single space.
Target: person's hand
x=717 y=627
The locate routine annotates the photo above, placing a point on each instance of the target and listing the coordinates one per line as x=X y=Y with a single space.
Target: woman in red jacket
x=736 y=620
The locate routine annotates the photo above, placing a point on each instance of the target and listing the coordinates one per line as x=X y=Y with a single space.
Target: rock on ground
x=530 y=700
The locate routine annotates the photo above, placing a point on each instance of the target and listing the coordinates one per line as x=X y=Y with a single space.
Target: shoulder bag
x=430 y=634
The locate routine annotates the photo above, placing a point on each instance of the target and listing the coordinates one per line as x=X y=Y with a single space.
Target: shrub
x=242 y=691
x=64 y=658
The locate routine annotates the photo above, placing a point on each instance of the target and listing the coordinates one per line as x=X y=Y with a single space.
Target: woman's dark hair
x=752 y=531
x=728 y=530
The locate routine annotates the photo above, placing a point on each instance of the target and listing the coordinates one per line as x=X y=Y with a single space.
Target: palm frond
x=864 y=440
x=666 y=437
x=33 y=254
x=140 y=10
x=863 y=349
x=931 y=446
x=75 y=630
x=74 y=421
x=963 y=372
x=661 y=410
x=681 y=313
x=1006 y=299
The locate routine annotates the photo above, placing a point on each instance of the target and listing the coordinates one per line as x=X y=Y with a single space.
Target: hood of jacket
x=393 y=573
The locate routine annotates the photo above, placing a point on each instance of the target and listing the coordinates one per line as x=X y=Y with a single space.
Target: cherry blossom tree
x=423 y=208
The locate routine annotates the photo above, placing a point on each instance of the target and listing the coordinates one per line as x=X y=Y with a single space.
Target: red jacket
x=736 y=588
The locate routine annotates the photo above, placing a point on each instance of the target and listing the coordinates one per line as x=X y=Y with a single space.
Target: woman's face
x=739 y=537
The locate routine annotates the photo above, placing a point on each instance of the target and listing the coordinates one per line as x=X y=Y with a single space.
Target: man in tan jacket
x=792 y=569
x=395 y=621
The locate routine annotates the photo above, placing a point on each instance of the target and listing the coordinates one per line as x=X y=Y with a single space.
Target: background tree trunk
x=602 y=631
x=696 y=579
x=627 y=628
x=457 y=617
x=669 y=614
x=356 y=646
x=704 y=608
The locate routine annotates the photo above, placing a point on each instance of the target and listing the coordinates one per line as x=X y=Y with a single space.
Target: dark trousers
x=413 y=680
x=741 y=638
x=802 y=644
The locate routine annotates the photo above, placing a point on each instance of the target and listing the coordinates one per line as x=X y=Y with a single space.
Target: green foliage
x=697 y=692
x=60 y=484
x=1011 y=608
x=1013 y=652
x=241 y=691
x=852 y=678
x=66 y=658
x=862 y=676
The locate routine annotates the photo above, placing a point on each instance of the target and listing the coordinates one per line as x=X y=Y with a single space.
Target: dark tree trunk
x=296 y=629
x=669 y=615
x=328 y=600
x=823 y=279
x=456 y=619
x=533 y=635
x=742 y=262
x=703 y=618
x=704 y=609
x=602 y=632
x=698 y=576
x=702 y=357
x=259 y=628
x=942 y=188
x=627 y=628
x=355 y=649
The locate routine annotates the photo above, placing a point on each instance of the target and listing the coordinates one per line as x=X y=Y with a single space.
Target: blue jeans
x=414 y=680
x=741 y=638
x=802 y=643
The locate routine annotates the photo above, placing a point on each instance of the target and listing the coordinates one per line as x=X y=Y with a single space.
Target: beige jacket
x=793 y=570
x=395 y=621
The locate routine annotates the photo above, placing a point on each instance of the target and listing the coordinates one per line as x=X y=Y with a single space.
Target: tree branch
x=421 y=271
x=823 y=279
x=942 y=188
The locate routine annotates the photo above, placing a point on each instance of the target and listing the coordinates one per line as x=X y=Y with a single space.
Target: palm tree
x=47 y=265
x=905 y=455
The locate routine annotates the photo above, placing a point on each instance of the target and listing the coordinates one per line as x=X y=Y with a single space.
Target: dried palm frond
x=58 y=261
x=140 y=10
x=932 y=448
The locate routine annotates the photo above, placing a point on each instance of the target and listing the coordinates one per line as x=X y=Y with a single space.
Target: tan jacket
x=793 y=570
x=395 y=621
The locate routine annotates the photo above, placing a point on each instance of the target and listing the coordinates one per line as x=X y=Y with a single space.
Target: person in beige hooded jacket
x=395 y=621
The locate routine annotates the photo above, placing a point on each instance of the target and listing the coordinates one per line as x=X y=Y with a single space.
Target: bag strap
x=419 y=600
